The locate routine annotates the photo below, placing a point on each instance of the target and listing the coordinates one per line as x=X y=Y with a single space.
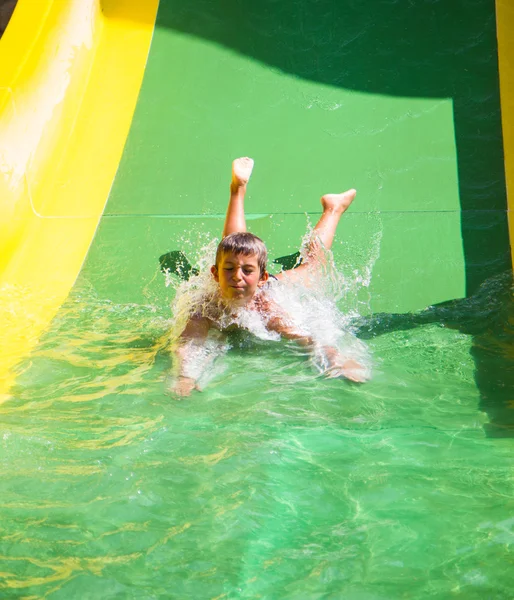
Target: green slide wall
x=402 y=105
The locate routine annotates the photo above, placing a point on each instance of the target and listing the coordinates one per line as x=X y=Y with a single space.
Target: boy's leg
x=235 y=219
x=334 y=205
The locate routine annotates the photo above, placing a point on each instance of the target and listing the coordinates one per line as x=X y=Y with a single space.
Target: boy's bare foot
x=338 y=202
x=241 y=170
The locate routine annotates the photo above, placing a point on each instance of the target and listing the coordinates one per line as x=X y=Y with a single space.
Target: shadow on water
x=488 y=316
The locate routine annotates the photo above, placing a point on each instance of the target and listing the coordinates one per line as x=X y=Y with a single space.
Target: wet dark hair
x=246 y=244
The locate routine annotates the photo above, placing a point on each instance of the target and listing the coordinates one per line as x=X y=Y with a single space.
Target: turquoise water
x=272 y=483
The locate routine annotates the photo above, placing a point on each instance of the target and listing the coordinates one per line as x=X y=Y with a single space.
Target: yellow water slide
x=505 y=27
x=70 y=74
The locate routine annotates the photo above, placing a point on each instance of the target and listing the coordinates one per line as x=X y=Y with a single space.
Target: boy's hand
x=344 y=367
x=184 y=386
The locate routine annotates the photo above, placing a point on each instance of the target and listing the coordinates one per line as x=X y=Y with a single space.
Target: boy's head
x=240 y=266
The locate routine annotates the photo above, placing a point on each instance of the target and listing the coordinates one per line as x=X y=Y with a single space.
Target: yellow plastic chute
x=70 y=74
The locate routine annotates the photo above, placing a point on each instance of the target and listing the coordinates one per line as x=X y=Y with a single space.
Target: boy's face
x=239 y=277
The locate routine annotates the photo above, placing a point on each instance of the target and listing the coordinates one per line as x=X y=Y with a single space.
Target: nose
x=237 y=275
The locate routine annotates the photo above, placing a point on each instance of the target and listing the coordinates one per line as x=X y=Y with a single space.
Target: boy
x=242 y=279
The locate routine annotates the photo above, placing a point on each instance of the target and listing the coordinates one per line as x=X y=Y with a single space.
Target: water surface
x=273 y=482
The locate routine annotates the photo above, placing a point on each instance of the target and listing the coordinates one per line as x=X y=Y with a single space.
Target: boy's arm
x=281 y=322
x=196 y=331
x=338 y=366
x=235 y=219
x=290 y=332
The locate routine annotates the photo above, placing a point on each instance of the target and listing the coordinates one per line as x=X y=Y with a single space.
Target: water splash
x=309 y=306
x=355 y=294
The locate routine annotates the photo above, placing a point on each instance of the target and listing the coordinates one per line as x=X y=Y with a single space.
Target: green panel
x=325 y=97
x=307 y=138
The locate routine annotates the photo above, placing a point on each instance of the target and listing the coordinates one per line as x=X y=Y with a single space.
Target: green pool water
x=275 y=483
x=271 y=483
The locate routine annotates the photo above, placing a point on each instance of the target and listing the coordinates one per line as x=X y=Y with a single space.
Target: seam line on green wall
x=268 y=214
